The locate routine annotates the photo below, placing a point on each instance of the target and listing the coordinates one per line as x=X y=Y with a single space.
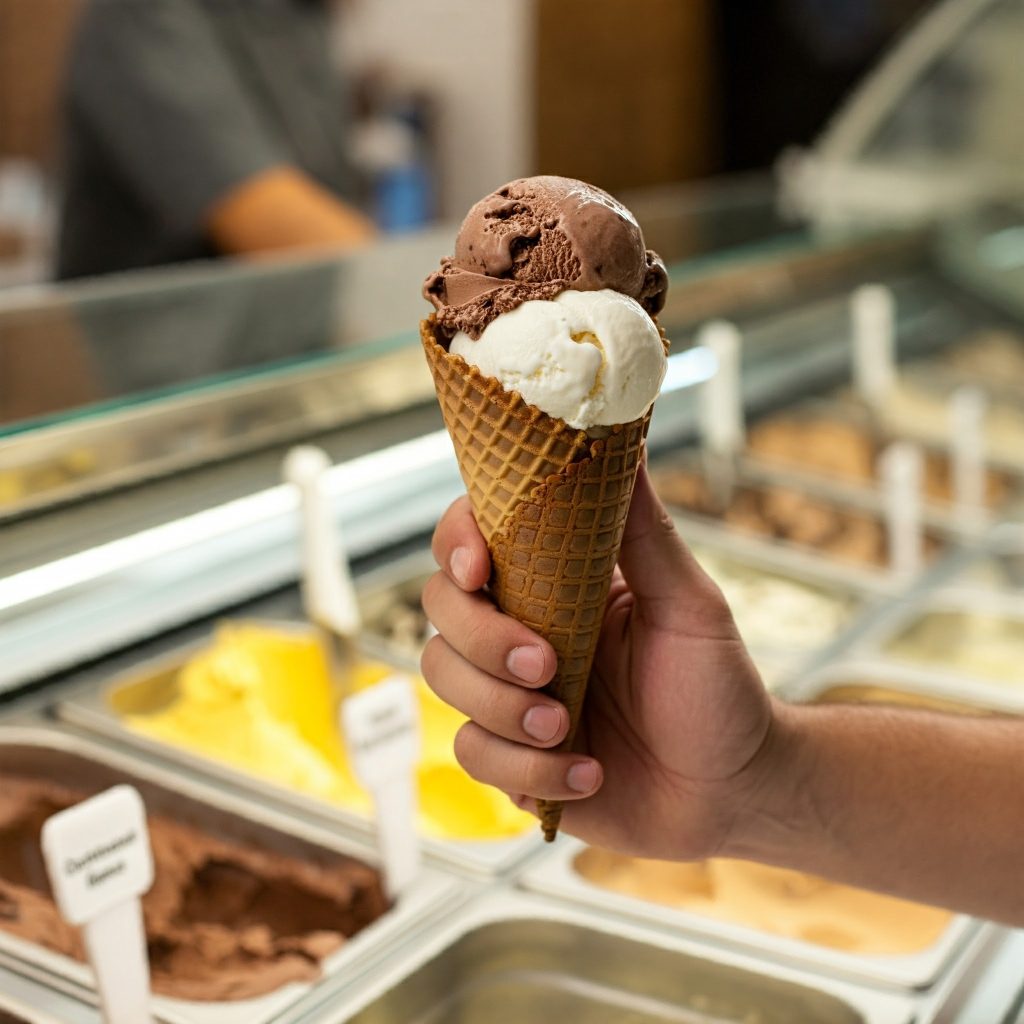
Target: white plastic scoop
x=720 y=410
x=327 y=589
x=99 y=862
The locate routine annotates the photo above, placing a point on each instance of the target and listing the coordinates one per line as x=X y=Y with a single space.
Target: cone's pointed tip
x=550 y=831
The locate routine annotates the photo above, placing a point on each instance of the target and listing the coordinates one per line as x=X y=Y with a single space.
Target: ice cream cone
x=552 y=503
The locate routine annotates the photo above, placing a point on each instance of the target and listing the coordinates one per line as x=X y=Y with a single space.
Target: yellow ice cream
x=262 y=700
x=773 y=900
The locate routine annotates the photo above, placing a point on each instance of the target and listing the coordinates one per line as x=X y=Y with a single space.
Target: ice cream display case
x=152 y=630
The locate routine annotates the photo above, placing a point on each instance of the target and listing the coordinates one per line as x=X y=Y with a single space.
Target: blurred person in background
x=194 y=128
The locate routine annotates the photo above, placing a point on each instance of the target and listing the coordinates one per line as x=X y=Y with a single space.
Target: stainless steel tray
x=998 y=564
x=555 y=875
x=511 y=957
x=152 y=685
x=50 y=752
x=882 y=638
x=23 y=1001
x=937 y=691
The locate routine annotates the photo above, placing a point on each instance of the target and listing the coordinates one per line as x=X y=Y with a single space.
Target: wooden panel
x=34 y=36
x=624 y=90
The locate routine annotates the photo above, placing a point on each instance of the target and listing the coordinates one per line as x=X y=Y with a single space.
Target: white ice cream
x=589 y=358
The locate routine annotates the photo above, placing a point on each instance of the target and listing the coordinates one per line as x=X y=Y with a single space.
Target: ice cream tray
x=866 y=495
x=859 y=678
x=511 y=957
x=23 y=1001
x=956 y=608
x=997 y=564
x=151 y=685
x=696 y=528
x=555 y=875
x=55 y=753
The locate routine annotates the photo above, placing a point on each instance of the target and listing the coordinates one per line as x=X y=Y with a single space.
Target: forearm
x=281 y=209
x=925 y=806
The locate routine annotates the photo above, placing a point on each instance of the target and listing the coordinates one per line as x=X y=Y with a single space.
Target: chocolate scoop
x=534 y=238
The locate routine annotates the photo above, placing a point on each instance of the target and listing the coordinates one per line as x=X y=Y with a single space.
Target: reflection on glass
x=73 y=354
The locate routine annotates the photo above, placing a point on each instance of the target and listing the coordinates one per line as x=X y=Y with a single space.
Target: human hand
x=675 y=714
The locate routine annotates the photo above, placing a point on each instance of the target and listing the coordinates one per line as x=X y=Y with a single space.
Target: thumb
x=662 y=574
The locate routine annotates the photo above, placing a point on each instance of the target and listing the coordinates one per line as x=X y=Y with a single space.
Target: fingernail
x=582 y=776
x=461 y=562
x=542 y=722
x=527 y=663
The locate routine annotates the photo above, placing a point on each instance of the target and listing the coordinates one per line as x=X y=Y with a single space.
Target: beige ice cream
x=774 y=611
x=773 y=900
x=988 y=647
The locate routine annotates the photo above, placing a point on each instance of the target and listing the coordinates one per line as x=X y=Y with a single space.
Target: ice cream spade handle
x=901 y=469
x=967 y=409
x=722 y=427
x=116 y=944
x=328 y=592
x=99 y=863
x=721 y=400
x=873 y=313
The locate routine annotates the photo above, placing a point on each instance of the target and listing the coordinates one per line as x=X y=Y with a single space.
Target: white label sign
x=381 y=726
x=98 y=854
x=382 y=730
x=873 y=309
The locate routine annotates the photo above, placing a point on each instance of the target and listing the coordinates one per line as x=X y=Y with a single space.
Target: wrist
x=777 y=812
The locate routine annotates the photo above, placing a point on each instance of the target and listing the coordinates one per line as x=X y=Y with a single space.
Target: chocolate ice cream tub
x=512 y=956
x=833 y=448
x=922 y=952
x=152 y=686
x=57 y=758
x=804 y=525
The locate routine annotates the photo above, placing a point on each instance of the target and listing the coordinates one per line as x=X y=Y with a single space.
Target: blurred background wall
x=453 y=97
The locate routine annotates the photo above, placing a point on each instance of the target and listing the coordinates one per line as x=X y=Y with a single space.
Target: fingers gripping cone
x=551 y=503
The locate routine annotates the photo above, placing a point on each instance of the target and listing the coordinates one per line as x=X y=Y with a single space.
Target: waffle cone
x=552 y=504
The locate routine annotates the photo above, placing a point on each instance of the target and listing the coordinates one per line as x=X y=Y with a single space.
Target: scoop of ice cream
x=589 y=358
x=536 y=237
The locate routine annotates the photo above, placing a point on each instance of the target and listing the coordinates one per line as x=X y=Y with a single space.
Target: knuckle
x=431 y=591
x=430 y=659
x=466 y=747
x=536 y=774
x=478 y=639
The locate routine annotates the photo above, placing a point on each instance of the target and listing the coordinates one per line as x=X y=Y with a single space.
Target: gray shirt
x=170 y=104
